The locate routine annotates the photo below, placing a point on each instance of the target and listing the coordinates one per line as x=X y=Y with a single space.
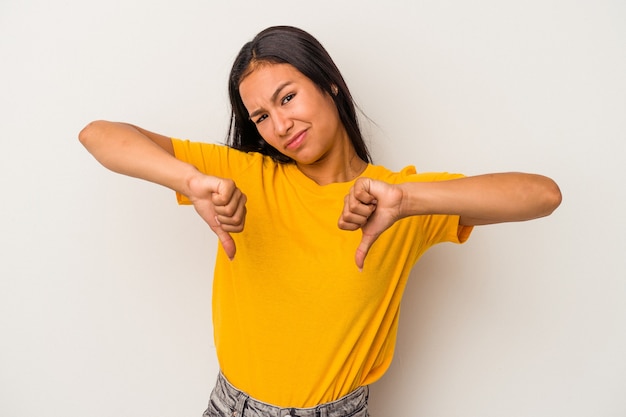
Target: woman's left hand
x=372 y=206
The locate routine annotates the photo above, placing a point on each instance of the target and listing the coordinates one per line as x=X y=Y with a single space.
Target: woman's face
x=291 y=113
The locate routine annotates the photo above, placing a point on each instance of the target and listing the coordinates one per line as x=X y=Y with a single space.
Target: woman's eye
x=260 y=119
x=287 y=98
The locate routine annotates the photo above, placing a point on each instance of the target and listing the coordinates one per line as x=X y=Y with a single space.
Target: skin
x=298 y=119
x=139 y=153
x=301 y=121
x=373 y=206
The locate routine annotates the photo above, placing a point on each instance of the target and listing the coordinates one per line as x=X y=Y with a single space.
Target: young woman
x=306 y=310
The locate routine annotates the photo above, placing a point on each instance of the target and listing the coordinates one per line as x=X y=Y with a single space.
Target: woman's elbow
x=552 y=197
x=90 y=132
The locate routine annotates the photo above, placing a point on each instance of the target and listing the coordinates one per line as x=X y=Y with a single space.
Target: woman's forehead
x=264 y=79
x=268 y=69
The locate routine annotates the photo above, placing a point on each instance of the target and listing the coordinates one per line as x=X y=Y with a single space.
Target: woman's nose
x=282 y=123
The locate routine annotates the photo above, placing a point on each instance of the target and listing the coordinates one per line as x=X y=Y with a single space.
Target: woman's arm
x=136 y=152
x=484 y=199
x=374 y=206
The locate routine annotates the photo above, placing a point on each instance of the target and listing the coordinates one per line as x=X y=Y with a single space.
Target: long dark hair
x=290 y=45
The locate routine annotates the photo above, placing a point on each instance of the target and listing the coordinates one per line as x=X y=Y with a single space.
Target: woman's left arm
x=484 y=199
x=373 y=206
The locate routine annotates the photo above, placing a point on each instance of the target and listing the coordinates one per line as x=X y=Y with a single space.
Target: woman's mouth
x=295 y=142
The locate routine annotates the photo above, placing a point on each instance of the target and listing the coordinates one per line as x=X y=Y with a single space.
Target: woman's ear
x=334 y=89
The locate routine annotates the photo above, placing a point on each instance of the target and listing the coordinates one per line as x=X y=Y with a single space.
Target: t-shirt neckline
x=298 y=176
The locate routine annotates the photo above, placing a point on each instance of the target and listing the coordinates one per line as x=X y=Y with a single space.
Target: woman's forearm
x=135 y=152
x=484 y=199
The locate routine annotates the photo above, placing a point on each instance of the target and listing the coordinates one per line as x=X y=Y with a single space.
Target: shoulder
x=407 y=174
x=218 y=159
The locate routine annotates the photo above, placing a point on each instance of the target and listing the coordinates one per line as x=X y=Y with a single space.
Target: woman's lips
x=295 y=141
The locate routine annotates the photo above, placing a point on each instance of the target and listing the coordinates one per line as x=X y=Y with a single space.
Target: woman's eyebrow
x=273 y=98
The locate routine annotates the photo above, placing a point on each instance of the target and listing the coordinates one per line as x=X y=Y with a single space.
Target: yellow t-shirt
x=296 y=323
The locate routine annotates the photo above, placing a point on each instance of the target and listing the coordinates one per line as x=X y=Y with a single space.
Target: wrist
x=191 y=179
x=413 y=202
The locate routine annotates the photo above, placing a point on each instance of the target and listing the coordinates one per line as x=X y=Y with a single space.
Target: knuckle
x=228 y=211
x=238 y=217
x=218 y=199
x=354 y=204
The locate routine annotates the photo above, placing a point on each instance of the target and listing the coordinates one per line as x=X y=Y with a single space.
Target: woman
x=305 y=315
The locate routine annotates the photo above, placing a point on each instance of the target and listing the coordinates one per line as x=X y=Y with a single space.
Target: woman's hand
x=372 y=206
x=222 y=206
x=136 y=152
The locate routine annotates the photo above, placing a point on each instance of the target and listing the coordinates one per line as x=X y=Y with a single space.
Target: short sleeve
x=211 y=159
x=441 y=228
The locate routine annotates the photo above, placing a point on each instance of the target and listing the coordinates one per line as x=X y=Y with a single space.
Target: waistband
x=228 y=400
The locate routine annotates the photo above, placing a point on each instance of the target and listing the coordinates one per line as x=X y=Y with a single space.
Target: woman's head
x=289 y=45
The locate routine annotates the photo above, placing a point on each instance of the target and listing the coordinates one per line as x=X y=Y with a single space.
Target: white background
x=106 y=283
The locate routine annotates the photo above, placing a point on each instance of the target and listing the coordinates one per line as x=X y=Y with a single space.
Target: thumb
x=228 y=244
x=361 y=252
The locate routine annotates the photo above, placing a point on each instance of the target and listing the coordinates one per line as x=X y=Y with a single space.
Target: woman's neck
x=342 y=167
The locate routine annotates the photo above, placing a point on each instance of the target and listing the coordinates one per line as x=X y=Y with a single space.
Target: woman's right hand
x=222 y=206
x=139 y=153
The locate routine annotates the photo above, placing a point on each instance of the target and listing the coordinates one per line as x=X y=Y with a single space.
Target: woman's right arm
x=132 y=151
